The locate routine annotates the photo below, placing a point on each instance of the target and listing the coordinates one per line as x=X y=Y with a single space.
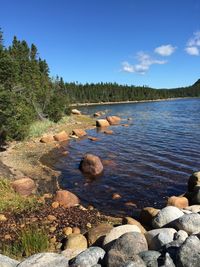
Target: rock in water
x=45 y=260
x=102 y=123
x=190 y=223
x=91 y=165
x=189 y=253
x=113 y=120
x=7 y=262
x=79 y=132
x=88 y=258
x=166 y=215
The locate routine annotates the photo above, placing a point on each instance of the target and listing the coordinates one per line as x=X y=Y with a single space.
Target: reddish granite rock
x=62 y=136
x=179 y=202
x=24 y=186
x=113 y=120
x=47 y=138
x=91 y=165
x=79 y=132
x=66 y=198
x=108 y=132
x=102 y=123
x=76 y=112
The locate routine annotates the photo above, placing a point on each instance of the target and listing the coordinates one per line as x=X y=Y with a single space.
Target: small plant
x=30 y=241
x=39 y=127
x=33 y=241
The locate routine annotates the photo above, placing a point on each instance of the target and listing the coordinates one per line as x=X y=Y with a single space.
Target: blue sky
x=140 y=42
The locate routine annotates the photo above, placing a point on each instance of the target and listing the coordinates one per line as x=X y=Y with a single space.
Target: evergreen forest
x=28 y=93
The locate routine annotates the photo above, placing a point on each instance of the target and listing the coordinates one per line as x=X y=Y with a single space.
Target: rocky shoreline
x=82 y=237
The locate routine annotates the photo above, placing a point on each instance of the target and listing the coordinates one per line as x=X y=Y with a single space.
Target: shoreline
x=128 y=102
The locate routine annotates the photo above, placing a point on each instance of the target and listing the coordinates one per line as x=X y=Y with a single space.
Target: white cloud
x=193 y=45
x=165 y=50
x=143 y=65
x=192 y=50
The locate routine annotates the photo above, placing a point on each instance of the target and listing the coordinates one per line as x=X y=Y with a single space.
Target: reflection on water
x=144 y=163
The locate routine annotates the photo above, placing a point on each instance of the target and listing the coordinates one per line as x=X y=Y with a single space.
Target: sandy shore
x=21 y=159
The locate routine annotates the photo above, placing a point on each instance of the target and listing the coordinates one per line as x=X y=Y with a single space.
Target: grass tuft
x=38 y=128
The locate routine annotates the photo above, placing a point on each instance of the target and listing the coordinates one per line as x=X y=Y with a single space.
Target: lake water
x=145 y=163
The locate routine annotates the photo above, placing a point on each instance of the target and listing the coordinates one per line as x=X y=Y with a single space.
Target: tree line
x=28 y=93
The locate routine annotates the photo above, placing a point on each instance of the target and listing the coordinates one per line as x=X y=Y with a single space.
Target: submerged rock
x=91 y=165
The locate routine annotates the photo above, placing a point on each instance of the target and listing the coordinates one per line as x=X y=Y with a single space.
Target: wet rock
x=88 y=258
x=118 y=231
x=179 y=202
x=45 y=260
x=147 y=214
x=152 y=237
x=47 y=138
x=193 y=181
x=102 y=123
x=60 y=137
x=7 y=262
x=76 y=241
x=189 y=254
x=113 y=120
x=129 y=220
x=116 y=196
x=150 y=257
x=91 y=165
x=190 y=223
x=79 y=132
x=166 y=216
x=76 y=112
x=66 y=198
x=117 y=258
x=93 y=138
x=24 y=186
x=97 y=234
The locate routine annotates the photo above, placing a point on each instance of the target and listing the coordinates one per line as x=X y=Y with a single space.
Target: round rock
x=166 y=215
x=190 y=223
x=150 y=257
x=7 y=262
x=91 y=165
x=45 y=260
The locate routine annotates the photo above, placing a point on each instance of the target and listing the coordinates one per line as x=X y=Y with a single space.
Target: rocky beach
x=82 y=236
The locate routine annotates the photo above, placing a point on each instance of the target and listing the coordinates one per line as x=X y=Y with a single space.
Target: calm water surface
x=145 y=162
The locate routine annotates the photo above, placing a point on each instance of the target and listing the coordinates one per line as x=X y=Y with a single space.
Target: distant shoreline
x=128 y=102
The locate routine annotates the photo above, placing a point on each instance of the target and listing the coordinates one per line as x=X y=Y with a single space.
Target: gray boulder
x=88 y=258
x=190 y=223
x=189 y=253
x=158 y=237
x=166 y=216
x=150 y=257
x=135 y=262
x=193 y=208
x=168 y=262
x=7 y=262
x=125 y=248
x=45 y=260
x=181 y=235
